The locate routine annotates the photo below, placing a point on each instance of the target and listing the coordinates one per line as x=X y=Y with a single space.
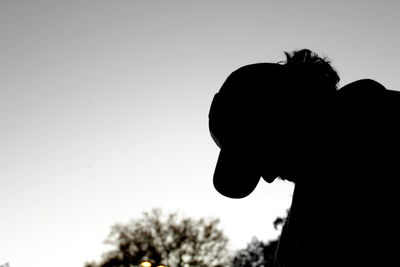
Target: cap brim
x=236 y=174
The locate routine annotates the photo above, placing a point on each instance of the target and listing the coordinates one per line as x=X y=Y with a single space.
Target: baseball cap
x=244 y=121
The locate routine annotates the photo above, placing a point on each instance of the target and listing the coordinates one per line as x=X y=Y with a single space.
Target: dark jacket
x=343 y=209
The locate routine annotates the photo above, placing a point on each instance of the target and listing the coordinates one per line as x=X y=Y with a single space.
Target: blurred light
x=145 y=264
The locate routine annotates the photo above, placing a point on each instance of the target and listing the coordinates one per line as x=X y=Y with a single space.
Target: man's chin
x=269 y=178
x=289 y=178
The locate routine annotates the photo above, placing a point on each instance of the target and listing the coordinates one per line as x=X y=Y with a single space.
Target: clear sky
x=104 y=104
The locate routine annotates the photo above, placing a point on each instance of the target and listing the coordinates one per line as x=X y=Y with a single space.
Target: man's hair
x=311 y=70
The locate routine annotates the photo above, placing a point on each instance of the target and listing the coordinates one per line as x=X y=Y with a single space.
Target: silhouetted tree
x=258 y=253
x=171 y=241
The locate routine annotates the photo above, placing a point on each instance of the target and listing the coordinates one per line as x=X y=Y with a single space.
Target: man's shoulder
x=363 y=87
x=369 y=91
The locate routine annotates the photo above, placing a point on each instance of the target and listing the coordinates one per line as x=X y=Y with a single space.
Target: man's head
x=258 y=118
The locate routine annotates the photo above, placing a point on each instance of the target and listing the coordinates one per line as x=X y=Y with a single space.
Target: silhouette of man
x=340 y=147
x=272 y=120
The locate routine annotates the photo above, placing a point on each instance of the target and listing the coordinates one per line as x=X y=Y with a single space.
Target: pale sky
x=104 y=104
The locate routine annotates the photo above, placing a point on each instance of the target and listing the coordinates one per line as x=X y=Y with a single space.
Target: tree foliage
x=256 y=254
x=171 y=241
